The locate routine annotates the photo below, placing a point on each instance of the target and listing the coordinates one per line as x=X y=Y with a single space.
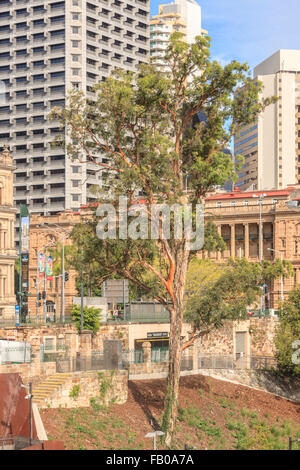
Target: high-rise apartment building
x=183 y=16
x=271 y=146
x=46 y=49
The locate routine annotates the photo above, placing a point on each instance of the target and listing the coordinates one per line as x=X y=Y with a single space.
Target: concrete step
x=48 y=386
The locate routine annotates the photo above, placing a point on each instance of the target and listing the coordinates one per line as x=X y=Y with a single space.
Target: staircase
x=44 y=389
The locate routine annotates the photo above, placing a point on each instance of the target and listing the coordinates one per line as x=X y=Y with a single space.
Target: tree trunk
x=171 y=398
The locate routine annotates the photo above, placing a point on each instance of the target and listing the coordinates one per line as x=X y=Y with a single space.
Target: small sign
x=17 y=312
x=163 y=334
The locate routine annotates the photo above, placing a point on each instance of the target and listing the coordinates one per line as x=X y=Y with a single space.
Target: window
x=75 y=29
x=38 y=118
x=57 y=89
x=22 y=25
x=75 y=71
x=40 y=76
x=57 y=32
x=21 y=79
x=57 y=60
x=57 y=19
x=57 y=74
x=75 y=43
x=75 y=169
x=38 y=50
x=75 y=183
x=57 y=5
x=21 y=66
x=37 y=23
x=49 y=343
x=38 y=63
x=56 y=47
x=38 y=36
x=75 y=57
x=39 y=8
x=75 y=197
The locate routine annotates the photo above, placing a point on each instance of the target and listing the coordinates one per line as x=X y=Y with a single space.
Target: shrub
x=91 y=318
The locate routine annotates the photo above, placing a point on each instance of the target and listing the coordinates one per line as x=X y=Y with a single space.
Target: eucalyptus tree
x=141 y=133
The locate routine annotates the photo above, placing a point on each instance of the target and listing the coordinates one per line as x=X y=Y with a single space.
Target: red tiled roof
x=247 y=195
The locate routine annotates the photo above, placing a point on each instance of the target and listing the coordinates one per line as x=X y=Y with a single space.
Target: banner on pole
x=49 y=268
x=41 y=264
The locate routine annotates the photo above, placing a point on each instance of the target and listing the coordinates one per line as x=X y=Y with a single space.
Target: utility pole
x=46 y=225
x=37 y=286
x=20 y=270
x=63 y=281
x=81 y=309
x=260 y=198
x=45 y=287
x=281 y=279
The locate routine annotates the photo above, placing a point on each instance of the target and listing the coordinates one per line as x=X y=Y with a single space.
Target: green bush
x=287 y=332
x=91 y=318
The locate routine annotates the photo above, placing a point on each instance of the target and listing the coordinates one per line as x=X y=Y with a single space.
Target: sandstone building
x=236 y=215
x=7 y=249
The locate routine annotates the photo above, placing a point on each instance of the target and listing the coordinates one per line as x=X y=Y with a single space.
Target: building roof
x=248 y=194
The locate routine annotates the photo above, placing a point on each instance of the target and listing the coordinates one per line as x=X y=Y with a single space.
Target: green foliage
x=287 y=332
x=192 y=416
x=91 y=317
x=143 y=127
x=75 y=391
x=232 y=291
x=143 y=124
x=213 y=242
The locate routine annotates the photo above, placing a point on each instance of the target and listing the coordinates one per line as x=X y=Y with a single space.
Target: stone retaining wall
x=105 y=386
x=266 y=381
x=33 y=372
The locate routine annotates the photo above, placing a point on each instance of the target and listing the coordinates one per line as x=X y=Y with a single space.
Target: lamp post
x=81 y=293
x=260 y=200
x=45 y=279
x=281 y=280
x=29 y=397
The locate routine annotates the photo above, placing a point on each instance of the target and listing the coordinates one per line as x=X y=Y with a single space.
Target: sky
x=248 y=30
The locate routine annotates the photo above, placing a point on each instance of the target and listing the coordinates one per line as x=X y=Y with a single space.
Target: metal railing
x=132 y=356
x=212 y=361
x=15 y=354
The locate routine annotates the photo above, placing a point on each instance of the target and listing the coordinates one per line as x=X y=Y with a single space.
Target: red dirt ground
x=124 y=426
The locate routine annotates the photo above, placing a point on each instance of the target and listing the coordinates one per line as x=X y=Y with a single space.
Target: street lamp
x=29 y=397
x=46 y=225
x=37 y=279
x=281 y=257
x=260 y=200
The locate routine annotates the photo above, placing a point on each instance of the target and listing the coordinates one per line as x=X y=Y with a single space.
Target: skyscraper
x=183 y=16
x=271 y=145
x=46 y=49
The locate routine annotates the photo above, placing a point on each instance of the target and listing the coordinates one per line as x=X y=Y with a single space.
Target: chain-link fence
x=212 y=361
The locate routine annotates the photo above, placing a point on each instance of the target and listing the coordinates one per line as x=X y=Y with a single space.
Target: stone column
x=86 y=349
x=147 y=356
x=246 y=241
x=195 y=354
x=232 y=240
x=219 y=253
